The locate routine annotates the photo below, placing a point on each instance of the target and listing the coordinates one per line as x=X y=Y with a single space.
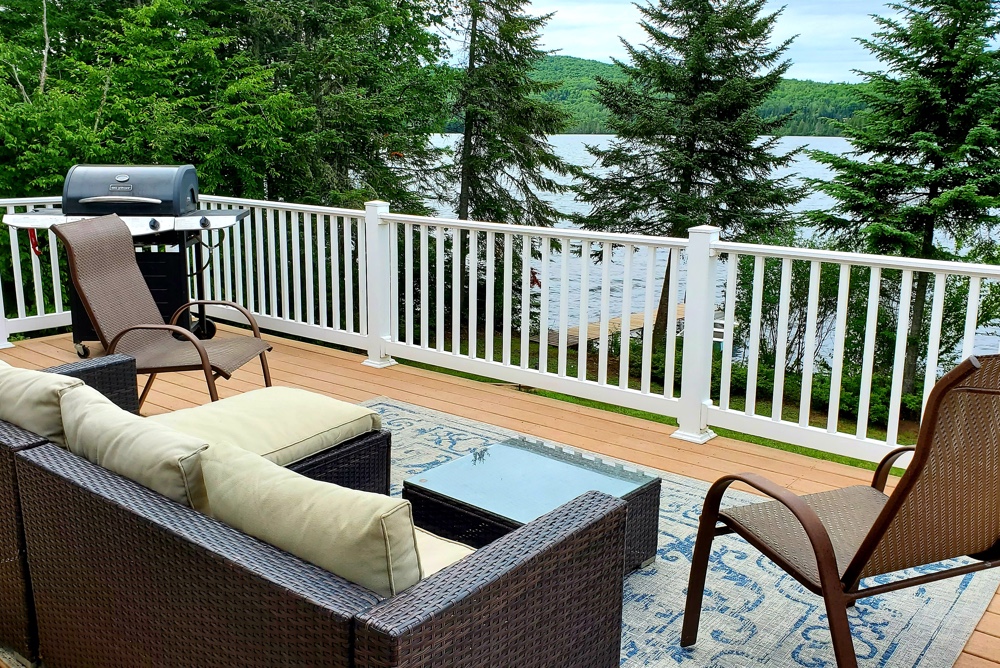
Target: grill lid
x=153 y=190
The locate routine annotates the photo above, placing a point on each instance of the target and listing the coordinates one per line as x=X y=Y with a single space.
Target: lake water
x=573 y=149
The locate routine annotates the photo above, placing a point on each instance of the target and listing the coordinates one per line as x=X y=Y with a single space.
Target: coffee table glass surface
x=521 y=480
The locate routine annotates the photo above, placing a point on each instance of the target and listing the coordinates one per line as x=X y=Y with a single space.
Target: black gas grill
x=140 y=190
x=159 y=203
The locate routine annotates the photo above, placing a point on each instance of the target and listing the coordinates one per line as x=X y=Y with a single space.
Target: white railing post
x=377 y=240
x=699 y=317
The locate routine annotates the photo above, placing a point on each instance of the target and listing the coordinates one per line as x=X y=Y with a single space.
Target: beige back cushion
x=30 y=399
x=437 y=552
x=151 y=454
x=283 y=424
x=365 y=538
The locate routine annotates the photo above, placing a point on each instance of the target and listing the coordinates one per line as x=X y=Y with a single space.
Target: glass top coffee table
x=488 y=493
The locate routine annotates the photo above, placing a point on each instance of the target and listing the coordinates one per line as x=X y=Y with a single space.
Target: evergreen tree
x=503 y=161
x=924 y=175
x=691 y=148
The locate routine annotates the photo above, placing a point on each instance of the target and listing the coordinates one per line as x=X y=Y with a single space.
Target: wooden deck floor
x=340 y=374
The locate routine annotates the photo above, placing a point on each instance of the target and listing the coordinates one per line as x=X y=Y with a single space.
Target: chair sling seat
x=847 y=514
x=160 y=351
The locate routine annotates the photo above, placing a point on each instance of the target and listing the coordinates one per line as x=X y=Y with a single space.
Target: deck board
x=340 y=374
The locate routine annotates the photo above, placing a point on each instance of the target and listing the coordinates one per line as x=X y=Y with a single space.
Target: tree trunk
x=919 y=303
x=660 y=324
x=470 y=123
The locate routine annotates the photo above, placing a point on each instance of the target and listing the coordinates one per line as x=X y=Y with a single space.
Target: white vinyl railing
x=573 y=312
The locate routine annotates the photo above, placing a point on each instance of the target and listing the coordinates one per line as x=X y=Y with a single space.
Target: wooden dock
x=636 y=322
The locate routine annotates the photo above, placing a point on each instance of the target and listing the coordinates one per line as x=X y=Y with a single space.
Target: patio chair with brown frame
x=106 y=275
x=946 y=505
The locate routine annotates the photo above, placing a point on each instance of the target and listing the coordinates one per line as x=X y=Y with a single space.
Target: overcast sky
x=824 y=50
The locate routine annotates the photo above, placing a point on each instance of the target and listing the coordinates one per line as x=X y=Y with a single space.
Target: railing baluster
x=670 y=353
x=272 y=263
x=310 y=305
x=563 y=305
x=408 y=277
x=336 y=274
x=286 y=299
x=753 y=354
x=473 y=292
x=456 y=292
x=362 y=279
x=726 y=373
x=583 y=335
x=258 y=239
x=216 y=263
x=648 y=321
x=234 y=263
x=971 y=317
x=296 y=261
x=809 y=350
x=899 y=357
x=543 y=313
x=784 y=296
x=425 y=297
x=843 y=292
x=526 y=244
x=626 y=328
x=321 y=224
x=227 y=264
x=349 y=264
x=15 y=255
x=508 y=295
x=868 y=358
x=36 y=275
x=56 y=274
x=489 y=333
x=439 y=233
x=937 y=314
x=393 y=279
x=602 y=346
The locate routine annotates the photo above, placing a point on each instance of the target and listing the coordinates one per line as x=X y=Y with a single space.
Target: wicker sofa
x=121 y=576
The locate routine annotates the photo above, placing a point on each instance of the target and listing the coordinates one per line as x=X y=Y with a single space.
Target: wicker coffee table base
x=476 y=527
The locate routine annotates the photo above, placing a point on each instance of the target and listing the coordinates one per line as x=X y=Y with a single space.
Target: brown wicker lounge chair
x=104 y=270
x=945 y=506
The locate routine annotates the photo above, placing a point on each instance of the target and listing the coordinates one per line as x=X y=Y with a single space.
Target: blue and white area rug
x=754 y=614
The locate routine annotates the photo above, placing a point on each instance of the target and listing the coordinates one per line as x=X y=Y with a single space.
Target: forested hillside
x=811 y=101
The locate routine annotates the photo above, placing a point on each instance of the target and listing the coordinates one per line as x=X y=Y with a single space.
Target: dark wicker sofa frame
x=360 y=463
x=121 y=576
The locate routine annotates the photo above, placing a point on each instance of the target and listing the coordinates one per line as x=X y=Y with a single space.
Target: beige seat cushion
x=283 y=424
x=365 y=538
x=162 y=459
x=437 y=553
x=30 y=399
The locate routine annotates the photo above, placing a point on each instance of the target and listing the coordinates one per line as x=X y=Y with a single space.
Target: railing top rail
x=287 y=206
x=550 y=232
x=21 y=201
x=862 y=259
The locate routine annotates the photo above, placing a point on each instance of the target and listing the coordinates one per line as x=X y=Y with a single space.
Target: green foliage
x=924 y=177
x=503 y=161
x=688 y=149
x=810 y=104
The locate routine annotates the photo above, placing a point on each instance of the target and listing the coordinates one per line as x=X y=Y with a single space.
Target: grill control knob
x=154 y=224
x=205 y=223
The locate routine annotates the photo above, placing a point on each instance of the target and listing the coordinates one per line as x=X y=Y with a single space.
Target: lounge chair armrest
x=884 y=467
x=531 y=588
x=819 y=538
x=246 y=313
x=111 y=375
x=170 y=328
